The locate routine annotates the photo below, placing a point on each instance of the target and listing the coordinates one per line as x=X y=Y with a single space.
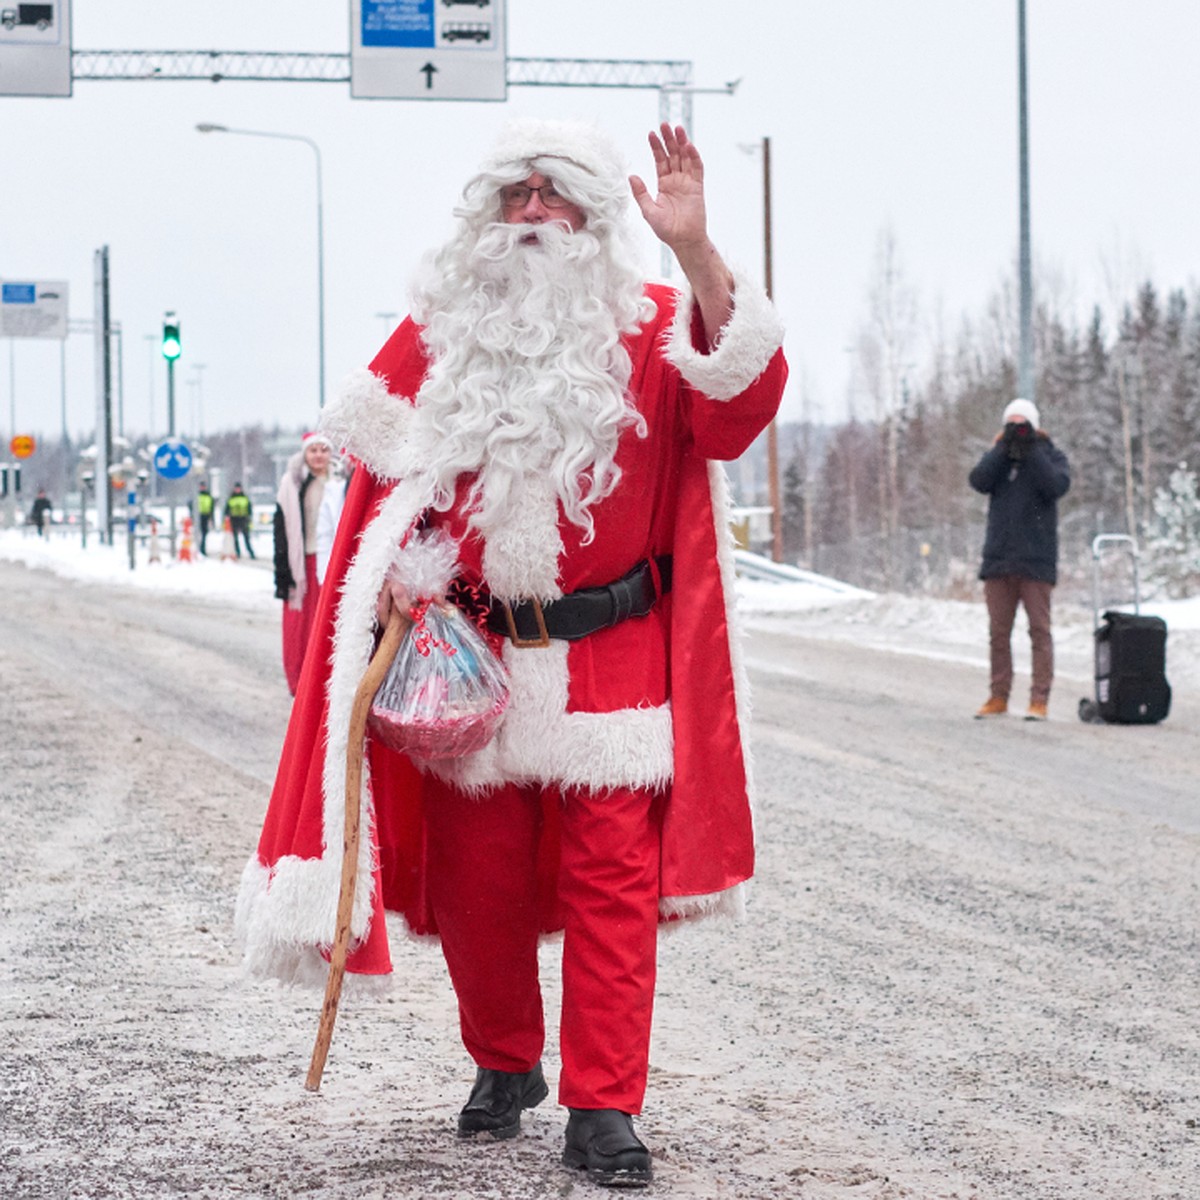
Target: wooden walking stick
x=377 y=668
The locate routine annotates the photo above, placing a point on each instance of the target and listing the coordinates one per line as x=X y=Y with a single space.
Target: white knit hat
x=1022 y=408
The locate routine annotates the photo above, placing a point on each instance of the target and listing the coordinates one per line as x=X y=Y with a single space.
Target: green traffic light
x=172 y=347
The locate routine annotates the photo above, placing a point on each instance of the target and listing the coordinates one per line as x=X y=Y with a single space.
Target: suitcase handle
x=1098 y=543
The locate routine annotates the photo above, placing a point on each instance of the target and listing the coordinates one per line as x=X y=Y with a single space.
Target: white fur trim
x=540 y=741
x=747 y=343
x=730 y=904
x=269 y=956
x=520 y=557
x=367 y=421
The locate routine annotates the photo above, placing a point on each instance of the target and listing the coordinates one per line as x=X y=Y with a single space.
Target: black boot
x=496 y=1101
x=601 y=1141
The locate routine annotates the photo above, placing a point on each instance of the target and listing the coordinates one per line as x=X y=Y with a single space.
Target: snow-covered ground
x=920 y=625
x=968 y=971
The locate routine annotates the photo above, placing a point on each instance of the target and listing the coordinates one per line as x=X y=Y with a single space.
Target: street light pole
x=152 y=341
x=207 y=127
x=1025 y=368
x=198 y=368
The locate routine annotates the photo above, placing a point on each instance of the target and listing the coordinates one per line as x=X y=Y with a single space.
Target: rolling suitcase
x=1131 y=655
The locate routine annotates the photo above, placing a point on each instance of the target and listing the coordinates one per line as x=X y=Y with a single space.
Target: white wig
x=528 y=369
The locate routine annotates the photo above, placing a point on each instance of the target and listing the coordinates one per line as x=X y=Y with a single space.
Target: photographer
x=1025 y=475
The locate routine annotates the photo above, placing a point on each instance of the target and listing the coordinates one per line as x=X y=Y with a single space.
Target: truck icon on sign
x=460 y=31
x=39 y=15
x=477 y=3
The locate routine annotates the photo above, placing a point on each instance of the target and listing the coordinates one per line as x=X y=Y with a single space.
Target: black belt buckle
x=543 y=638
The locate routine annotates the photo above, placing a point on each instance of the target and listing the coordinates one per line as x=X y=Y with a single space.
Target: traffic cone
x=155 y=552
x=228 y=548
x=185 y=542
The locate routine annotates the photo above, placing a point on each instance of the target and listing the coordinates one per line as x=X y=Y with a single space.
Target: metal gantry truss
x=304 y=67
x=671 y=78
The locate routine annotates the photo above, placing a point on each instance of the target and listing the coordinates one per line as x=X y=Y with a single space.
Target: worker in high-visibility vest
x=237 y=509
x=205 y=507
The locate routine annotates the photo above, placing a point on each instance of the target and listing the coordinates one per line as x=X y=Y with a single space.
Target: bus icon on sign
x=461 y=31
x=39 y=15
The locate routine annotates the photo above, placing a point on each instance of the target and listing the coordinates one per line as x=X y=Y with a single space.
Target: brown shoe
x=996 y=706
x=1037 y=712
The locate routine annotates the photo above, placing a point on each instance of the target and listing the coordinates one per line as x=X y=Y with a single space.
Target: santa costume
x=616 y=793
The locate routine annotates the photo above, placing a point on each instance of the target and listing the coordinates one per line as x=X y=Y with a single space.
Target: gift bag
x=446 y=690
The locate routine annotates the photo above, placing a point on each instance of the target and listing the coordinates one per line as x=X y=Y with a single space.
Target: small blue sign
x=19 y=293
x=398 y=23
x=172 y=460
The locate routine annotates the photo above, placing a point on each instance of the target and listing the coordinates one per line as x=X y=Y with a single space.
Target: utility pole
x=103 y=343
x=773 y=492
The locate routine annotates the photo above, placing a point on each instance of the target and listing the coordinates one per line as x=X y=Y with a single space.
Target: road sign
x=33 y=309
x=23 y=445
x=428 y=50
x=172 y=460
x=35 y=48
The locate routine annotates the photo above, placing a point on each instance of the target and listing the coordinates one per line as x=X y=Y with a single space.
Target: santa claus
x=544 y=434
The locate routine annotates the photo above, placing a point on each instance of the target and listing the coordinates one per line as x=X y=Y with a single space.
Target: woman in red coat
x=297 y=505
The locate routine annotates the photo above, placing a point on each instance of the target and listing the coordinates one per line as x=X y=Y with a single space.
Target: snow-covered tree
x=1174 y=550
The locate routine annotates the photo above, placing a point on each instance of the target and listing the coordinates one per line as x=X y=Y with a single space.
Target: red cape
x=289 y=890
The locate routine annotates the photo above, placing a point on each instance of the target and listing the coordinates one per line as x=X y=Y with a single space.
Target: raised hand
x=678 y=218
x=677 y=213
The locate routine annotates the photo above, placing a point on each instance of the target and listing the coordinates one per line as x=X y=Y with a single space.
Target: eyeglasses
x=516 y=195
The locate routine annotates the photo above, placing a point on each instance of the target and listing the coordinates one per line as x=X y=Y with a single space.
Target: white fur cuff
x=747 y=344
x=367 y=421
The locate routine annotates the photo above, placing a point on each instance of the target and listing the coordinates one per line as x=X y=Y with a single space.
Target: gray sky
x=897 y=113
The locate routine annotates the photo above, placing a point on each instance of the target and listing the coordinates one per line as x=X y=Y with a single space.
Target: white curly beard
x=523 y=327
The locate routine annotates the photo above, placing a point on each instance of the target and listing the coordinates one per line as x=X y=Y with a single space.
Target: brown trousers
x=1003 y=594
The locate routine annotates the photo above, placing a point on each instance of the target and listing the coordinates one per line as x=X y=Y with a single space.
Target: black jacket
x=1022 y=525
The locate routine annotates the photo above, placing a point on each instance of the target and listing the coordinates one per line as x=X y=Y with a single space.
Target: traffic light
x=172 y=348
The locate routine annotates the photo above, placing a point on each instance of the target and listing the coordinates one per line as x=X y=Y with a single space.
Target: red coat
x=651 y=702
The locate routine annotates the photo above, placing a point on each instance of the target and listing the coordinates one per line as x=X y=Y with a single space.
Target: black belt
x=577 y=614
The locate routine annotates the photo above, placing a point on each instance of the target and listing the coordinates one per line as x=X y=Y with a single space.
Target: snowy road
x=970 y=969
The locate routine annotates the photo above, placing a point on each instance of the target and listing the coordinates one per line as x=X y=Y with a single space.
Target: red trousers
x=298 y=623
x=483 y=889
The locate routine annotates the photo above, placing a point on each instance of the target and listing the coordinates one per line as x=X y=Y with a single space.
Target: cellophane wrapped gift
x=446 y=690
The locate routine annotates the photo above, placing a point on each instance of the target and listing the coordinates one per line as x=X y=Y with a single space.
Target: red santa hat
x=315 y=438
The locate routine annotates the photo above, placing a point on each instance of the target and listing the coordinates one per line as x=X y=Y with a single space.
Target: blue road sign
x=172 y=460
